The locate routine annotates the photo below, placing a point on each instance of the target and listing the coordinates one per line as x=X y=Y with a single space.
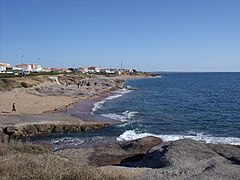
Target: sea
x=200 y=106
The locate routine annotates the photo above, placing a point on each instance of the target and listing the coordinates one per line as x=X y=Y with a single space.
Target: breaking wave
x=125 y=116
x=132 y=135
x=117 y=94
x=66 y=142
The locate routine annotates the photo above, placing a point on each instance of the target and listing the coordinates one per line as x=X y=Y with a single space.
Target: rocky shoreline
x=146 y=158
x=150 y=158
x=62 y=119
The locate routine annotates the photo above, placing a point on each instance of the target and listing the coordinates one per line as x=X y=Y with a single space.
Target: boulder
x=72 y=128
x=30 y=129
x=43 y=127
x=117 y=153
x=86 y=128
x=9 y=130
x=58 y=129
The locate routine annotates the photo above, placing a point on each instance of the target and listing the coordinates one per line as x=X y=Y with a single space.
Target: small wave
x=125 y=116
x=116 y=94
x=66 y=142
x=132 y=135
x=97 y=105
x=123 y=124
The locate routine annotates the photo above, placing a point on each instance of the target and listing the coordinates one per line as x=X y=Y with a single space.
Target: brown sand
x=31 y=104
x=29 y=101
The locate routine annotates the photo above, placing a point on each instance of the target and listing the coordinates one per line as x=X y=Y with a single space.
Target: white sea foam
x=116 y=94
x=123 y=124
x=66 y=142
x=125 y=116
x=132 y=135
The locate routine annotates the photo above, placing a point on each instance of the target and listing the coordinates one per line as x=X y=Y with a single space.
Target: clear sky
x=150 y=35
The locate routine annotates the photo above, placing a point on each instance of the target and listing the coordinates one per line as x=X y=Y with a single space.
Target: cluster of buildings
x=94 y=69
x=23 y=68
x=36 y=68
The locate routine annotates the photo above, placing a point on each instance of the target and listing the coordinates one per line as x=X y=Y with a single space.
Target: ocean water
x=200 y=106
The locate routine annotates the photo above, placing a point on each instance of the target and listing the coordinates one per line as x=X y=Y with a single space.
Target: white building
x=3 y=67
x=25 y=67
x=82 y=70
x=30 y=67
x=108 y=71
x=94 y=69
x=36 y=67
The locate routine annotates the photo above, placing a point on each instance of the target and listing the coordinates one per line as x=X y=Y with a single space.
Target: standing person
x=78 y=84
x=14 y=108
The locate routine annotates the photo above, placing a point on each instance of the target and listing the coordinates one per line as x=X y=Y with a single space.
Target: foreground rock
x=182 y=159
x=112 y=152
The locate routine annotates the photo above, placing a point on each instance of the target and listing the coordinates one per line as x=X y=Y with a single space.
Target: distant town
x=26 y=69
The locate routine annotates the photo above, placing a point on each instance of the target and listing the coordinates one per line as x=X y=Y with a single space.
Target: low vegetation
x=28 y=161
x=11 y=82
x=7 y=84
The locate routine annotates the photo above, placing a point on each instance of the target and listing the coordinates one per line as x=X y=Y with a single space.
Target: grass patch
x=8 y=84
x=29 y=161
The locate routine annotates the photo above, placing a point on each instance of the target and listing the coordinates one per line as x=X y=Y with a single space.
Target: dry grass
x=7 y=84
x=27 y=161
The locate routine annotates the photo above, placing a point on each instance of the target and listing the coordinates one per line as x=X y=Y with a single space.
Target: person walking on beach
x=14 y=108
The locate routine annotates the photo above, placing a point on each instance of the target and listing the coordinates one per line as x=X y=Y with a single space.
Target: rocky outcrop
x=178 y=160
x=18 y=131
x=111 y=153
x=189 y=159
x=87 y=87
x=118 y=152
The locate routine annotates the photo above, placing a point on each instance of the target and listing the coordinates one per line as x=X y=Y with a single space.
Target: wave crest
x=132 y=135
x=117 y=94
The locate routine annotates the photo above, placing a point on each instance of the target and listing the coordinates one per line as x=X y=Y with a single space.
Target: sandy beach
x=31 y=104
x=49 y=97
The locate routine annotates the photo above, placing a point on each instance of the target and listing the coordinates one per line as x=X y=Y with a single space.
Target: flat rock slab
x=8 y=120
x=17 y=126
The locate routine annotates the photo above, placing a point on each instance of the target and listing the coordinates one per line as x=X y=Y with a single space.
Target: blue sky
x=150 y=35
